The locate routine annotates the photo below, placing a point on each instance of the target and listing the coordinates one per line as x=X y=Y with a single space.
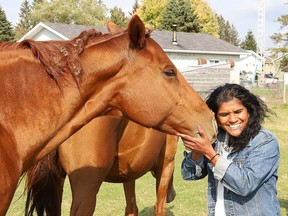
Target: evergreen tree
x=181 y=13
x=227 y=32
x=169 y=15
x=249 y=43
x=135 y=7
x=118 y=17
x=25 y=22
x=234 y=36
x=281 y=39
x=6 y=29
x=221 y=23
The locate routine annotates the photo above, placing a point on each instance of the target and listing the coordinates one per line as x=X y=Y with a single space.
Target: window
x=202 y=61
x=232 y=62
x=213 y=61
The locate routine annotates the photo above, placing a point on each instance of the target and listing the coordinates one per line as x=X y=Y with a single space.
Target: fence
x=204 y=79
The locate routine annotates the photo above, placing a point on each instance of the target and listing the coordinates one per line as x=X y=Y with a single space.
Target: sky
x=242 y=14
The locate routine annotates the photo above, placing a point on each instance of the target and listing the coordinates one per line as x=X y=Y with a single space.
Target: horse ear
x=113 y=28
x=136 y=31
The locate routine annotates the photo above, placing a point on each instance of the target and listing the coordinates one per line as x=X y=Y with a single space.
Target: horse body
x=129 y=152
x=138 y=151
x=45 y=97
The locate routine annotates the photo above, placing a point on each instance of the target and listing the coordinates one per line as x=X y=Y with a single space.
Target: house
x=251 y=68
x=190 y=52
x=276 y=65
x=285 y=71
x=251 y=64
x=269 y=66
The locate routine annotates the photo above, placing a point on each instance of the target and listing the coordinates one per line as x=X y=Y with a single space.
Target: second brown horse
x=129 y=151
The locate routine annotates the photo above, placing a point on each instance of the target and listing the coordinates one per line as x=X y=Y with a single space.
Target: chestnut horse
x=50 y=89
x=134 y=149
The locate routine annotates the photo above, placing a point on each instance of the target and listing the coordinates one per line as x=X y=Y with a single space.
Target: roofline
x=205 y=52
x=256 y=54
x=252 y=53
x=279 y=57
x=192 y=68
x=38 y=28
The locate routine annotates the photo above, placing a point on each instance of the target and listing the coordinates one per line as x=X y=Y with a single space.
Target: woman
x=242 y=164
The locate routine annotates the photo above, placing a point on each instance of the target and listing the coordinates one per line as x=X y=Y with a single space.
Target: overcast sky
x=242 y=14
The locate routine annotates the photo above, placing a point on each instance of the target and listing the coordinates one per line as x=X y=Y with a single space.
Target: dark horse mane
x=58 y=57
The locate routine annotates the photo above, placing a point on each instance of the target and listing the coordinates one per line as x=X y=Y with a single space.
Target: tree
x=234 y=36
x=283 y=63
x=35 y=2
x=135 y=7
x=25 y=23
x=207 y=18
x=6 y=29
x=281 y=39
x=222 y=27
x=118 y=17
x=88 y=12
x=228 y=32
x=249 y=43
x=181 y=13
x=151 y=12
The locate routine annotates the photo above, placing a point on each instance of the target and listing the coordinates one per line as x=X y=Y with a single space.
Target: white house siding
x=184 y=60
x=250 y=64
x=207 y=77
x=45 y=35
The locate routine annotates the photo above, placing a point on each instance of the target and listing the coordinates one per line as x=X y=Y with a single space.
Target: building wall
x=45 y=35
x=250 y=64
x=204 y=79
x=184 y=60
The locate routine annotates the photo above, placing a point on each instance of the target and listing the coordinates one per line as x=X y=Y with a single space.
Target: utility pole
x=261 y=32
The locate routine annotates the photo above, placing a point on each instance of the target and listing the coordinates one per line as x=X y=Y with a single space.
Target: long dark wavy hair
x=256 y=108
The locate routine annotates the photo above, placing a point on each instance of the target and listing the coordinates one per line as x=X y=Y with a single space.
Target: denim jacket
x=249 y=176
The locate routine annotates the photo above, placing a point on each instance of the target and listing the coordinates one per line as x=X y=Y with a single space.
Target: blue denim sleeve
x=193 y=170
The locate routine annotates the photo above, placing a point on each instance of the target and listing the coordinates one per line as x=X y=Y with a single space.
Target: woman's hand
x=200 y=144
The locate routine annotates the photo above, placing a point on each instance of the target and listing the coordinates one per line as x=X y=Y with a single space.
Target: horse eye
x=170 y=73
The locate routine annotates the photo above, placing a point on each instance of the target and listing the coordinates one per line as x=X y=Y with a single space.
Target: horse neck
x=4 y=46
x=99 y=68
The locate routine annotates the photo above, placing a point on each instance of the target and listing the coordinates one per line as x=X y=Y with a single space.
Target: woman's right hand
x=199 y=145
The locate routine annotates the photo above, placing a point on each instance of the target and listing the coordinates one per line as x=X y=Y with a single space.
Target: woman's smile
x=233 y=117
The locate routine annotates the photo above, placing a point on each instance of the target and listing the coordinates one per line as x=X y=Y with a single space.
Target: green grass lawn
x=191 y=196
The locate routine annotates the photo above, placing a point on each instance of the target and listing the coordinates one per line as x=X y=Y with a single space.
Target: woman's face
x=233 y=117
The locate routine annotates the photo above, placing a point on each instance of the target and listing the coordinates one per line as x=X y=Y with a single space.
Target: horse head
x=144 y=84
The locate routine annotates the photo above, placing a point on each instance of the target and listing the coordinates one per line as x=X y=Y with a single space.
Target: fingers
x=201 y=131
x=186 y=137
